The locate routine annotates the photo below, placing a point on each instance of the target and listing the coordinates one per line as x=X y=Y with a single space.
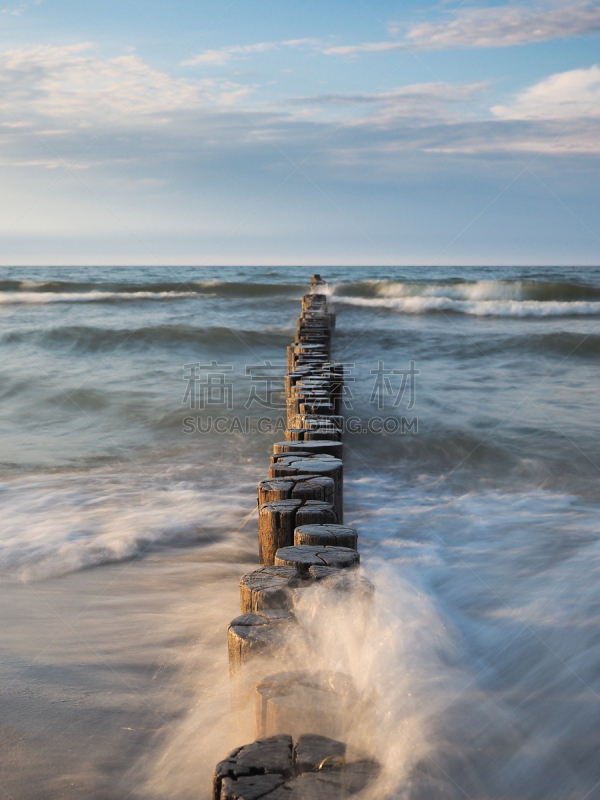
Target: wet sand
x=101 y=671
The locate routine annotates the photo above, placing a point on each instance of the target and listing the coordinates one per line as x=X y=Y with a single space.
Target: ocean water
x=125 y=528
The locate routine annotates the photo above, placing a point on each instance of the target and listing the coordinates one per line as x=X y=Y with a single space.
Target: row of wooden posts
x=302 y=541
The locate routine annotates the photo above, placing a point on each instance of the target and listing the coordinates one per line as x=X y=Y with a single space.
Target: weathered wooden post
x=302 y=557
x=273 y=769
x=319 y=447
x=259 y=768
x=318 y=421
x=278 y=520
x=305 y=701
x=301 y=487
x=268 y=588
x=284 y=465
x=315 y=512
x=276 y=523
x=342 y=580
x=325 y=535
x=251 y=635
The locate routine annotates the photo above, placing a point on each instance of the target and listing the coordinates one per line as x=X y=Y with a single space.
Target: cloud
x=505 y=26
x=139 y=123
x=413 y=103
x=493 y=26
x=368 y=47
x=557 y=116
x=227 y=54
x=54 y=86
x=562 y=96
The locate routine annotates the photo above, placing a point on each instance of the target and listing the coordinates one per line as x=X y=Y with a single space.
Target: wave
x=507 y=583
x=502 y=298
x=42 y=298
x=477 y=290
x=82 y=291
x=483 y=308
x=78 y=521
x=94 y=339
x=564 y=343
x=436 y=345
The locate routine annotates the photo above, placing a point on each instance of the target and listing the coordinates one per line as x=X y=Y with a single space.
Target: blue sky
x=145 y=132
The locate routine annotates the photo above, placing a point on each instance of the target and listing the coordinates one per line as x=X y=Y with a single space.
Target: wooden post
x=312 y=435
x=319 y=447
x=267 y=757
x=324 y=535
x=315 y=433
x=277 y=457
x=315 y=769
x=276 y=523
x=304 y=700
x=250 y=635
x=318 y=487
x=312 y=406
x=318 y=421
x=302 y=557
x=297 y=487
x=301 y=396
x=272 y=490
x=343 y=580
x=317 y=514
x=322 y=465
x=268 y=588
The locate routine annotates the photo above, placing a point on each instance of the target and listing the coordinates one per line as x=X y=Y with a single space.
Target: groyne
x=300 y=715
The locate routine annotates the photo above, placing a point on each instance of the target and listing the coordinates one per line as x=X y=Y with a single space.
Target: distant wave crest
x=34 y=292
x=476 y=298
x=42 y=298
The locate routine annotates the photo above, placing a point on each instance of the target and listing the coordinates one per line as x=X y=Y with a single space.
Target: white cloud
x=413 y=103
x=146 y=122
x=70 y=85
x=505 y=26
x=492 y=26
x=368 y=47
x=227 y=54
x=562 y=96
x=559 y=115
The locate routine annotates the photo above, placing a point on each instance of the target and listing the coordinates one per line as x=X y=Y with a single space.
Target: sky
x=238 y=132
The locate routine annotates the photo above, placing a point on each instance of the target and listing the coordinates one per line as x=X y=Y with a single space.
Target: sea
x=138 y=411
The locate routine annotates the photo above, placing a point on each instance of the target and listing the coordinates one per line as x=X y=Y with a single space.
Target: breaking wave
x=78 y=521
x=100 y=291
x=504 y=298
x=43 y=298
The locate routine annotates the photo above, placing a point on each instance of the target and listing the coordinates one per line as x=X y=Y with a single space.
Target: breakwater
x=301 y=715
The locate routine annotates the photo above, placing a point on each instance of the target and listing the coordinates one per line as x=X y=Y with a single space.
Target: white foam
x=477 y=308
x=468 y=290
x=43 y=298
x=62 y=523
x=484 y=641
